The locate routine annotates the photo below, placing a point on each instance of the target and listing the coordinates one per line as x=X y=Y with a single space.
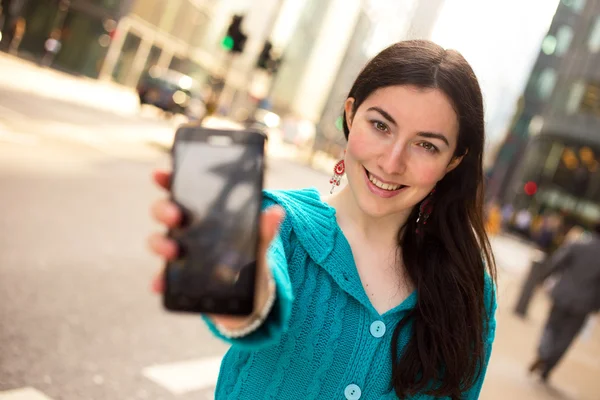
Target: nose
x=394 y=158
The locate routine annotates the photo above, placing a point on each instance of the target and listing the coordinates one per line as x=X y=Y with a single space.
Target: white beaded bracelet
x=257 y=320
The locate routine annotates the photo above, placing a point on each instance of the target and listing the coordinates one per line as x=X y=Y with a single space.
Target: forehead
x=416 y=109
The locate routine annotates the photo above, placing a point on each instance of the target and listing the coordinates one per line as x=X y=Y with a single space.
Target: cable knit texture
x=319 y=339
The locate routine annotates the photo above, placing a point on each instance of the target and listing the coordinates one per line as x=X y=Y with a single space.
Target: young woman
x=384 y=290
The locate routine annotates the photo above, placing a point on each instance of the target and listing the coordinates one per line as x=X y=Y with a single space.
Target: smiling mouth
x=390 y=187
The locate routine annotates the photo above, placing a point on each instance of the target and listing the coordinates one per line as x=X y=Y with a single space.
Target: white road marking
x=186 y=376
x=23 y=394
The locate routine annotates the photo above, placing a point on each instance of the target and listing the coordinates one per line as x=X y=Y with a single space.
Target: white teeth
x=381 y=185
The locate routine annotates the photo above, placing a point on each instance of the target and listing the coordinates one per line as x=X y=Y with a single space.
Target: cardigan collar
x=315 y=225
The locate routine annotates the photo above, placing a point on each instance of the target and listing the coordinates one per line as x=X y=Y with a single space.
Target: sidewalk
x=576 y=378
x=22 y=75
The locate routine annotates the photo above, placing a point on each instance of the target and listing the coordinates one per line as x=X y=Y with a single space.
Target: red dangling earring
x=425 y=210
x=338 y=172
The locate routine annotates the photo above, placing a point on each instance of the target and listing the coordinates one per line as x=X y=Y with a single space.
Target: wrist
x=263 y=303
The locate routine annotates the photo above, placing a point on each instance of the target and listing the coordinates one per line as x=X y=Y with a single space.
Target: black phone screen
x=217 y=182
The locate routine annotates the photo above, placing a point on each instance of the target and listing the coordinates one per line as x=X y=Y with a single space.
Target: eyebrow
x=430 y=135
x=384 y=113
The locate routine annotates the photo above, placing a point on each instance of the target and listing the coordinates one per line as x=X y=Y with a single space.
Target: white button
x=377 y=329
x=352 y=392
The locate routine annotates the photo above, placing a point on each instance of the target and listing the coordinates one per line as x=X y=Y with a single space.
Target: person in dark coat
x=574 y=297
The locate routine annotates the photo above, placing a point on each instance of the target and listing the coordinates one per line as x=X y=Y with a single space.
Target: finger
x=162 y=179
x=270 y=221
x=162 y=246
x=166 y=212
x=269 y=226
x=158 y=283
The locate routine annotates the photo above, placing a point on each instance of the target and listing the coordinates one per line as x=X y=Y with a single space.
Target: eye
x=380 y=126
x=429 y=147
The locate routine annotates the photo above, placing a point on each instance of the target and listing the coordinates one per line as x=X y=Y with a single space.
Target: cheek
x=428 y=175
x=360 y=145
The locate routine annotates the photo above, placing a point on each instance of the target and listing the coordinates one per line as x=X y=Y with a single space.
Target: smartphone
x=217 y=182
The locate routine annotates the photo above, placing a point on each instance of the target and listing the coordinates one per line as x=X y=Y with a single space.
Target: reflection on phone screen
x=219 y=189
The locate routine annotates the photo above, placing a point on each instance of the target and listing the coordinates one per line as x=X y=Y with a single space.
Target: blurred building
x=83 y=28
x=378 y=25
x=121 y=39
x=171 y=34
x=312 y=57
x=549 y=159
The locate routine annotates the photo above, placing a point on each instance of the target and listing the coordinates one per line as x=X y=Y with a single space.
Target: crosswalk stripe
x=186 y=376
x=23 y=394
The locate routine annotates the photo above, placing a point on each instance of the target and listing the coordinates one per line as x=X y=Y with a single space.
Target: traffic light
x=266 y=60
x=235 y=40
x=530 y=188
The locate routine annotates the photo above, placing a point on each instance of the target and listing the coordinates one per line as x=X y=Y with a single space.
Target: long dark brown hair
x=448 y=258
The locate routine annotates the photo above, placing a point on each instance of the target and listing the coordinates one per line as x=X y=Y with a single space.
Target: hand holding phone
x=170 y=213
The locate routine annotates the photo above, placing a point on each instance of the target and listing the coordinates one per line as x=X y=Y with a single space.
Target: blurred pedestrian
x=386 y=289
x=575 y=295
x=20 y=27
x=547 y=231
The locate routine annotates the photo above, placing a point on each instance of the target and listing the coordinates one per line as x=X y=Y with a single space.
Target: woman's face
x=401 y=143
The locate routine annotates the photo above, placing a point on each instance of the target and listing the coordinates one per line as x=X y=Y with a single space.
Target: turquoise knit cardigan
x=323 y=339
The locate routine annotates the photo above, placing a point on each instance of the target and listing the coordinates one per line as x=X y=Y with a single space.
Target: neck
x=379 y=231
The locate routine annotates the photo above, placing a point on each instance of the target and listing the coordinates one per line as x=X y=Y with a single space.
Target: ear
x=348 y=108
x=455 y=162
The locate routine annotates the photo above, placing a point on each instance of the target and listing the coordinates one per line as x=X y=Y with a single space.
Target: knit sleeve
x=276 y=323
x=490 y=333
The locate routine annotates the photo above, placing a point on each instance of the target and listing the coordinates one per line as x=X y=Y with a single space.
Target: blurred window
x=572 y=173
x=575 y=5
x=545 y=83
x=82 y=50
x=535 y=125
x=590 y=103
x=549 y=44
x=153 y=58
x=535 y=159
x=564 y=36
x=594 y=37
x=40 y=20
x=126 y=57
x=574 y=99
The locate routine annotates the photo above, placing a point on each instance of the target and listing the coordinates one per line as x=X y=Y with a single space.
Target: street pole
x=266 y=35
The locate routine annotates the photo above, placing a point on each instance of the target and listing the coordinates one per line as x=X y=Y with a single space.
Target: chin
x=374 y=208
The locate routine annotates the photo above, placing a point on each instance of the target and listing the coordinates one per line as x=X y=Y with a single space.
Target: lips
x=382 y=188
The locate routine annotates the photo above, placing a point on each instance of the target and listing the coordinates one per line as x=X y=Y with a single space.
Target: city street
x=78 y=319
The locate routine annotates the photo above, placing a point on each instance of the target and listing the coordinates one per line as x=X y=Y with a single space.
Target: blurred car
x=172 y=92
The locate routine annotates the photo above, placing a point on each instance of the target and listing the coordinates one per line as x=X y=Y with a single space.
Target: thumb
x=270 y=221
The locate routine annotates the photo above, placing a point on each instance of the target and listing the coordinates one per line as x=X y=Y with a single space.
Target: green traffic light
x=227 y=43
